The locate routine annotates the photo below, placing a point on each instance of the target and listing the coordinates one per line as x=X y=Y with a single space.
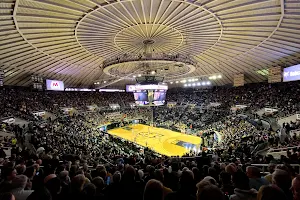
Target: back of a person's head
x=210 y=192
x=225 y=177
x=21 y=169
x=296 y=187
x=282 y=179
x=7 y=173
x=77 y=183
x=212 y=172
x=89 y=190
x=129 y=174
x=210 y=179
x=231 y=169
x=240 y=180
x=30 y=171
x=117 y=177
x=158 y=175
x=64 y=176
x=271 y=192
x=7 y=196
x=19 y=181
x=187 y=180
x=53 y=185
x=98 y=182
x=271 y=167
x=153 y=190
x=253 y=172
x=103 y=174
x=42 y=193
x=202 y=184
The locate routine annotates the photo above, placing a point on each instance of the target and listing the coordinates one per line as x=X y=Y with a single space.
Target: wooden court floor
x=161 y=140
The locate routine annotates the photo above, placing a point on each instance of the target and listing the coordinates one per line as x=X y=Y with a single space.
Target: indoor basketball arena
x=149 y=99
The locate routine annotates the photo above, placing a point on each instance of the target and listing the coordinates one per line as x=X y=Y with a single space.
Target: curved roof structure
x=69 y=39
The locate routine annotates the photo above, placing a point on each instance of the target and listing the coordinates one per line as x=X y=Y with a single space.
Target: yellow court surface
x=160 y=140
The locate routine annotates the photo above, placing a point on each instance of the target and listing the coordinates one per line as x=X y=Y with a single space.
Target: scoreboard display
x=148 y=95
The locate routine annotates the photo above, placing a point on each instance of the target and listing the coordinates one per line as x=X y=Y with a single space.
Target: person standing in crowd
x=242 y=190
x=255 y=179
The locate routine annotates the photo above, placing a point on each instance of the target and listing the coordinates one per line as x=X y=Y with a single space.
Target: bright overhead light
x=153 y=72
x=194 y=84
x=190 y=80
x=189 y=85
x=171 y=82
x=139 y=75
x=104 y=81
x=185 y=85
x=177 y=81
x=198 y=84
x=203 y=83
x=134 y=76
x=98 y=82
x=208 y=82
x=220 y=76
x=196 y=79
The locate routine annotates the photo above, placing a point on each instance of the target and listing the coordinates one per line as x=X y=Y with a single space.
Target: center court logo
x=150 y=135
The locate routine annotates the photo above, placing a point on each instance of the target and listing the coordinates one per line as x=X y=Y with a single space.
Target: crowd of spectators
x=71 y=158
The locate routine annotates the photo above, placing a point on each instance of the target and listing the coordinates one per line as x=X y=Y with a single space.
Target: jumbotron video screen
x=148 y=95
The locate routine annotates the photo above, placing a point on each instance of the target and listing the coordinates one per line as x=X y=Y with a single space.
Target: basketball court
x=160 y=140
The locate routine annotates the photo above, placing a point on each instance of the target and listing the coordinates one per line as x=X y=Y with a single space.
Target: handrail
x=266 y=165
x=282 y=149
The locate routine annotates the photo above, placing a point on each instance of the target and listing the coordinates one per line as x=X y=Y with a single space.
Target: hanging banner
x=39 y=113
x=8 y=120
x=275 y=75
x=238 y=80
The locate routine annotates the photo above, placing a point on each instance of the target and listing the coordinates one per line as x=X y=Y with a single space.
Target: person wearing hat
x=18 y=184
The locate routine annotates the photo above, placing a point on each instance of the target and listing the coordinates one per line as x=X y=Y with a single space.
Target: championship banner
x=238 y=80
x=275 y=75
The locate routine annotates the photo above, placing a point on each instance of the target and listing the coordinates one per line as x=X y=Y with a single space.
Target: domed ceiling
x=70 y=39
